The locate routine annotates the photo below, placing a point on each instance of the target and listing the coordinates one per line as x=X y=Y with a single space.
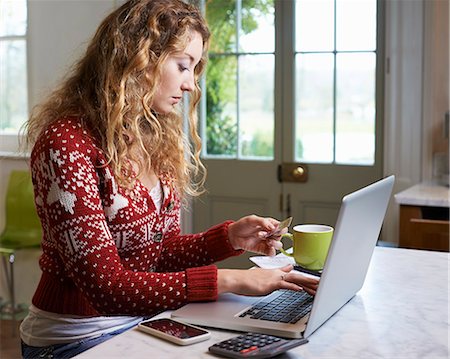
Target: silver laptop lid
x=357 y=229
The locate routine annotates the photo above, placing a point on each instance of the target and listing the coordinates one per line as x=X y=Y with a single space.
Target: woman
x=110 y=173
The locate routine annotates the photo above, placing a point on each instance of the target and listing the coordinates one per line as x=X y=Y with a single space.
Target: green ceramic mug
x=310 y=244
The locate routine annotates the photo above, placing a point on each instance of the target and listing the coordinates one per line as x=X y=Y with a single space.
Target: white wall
x=403 y=102
x=58 y=32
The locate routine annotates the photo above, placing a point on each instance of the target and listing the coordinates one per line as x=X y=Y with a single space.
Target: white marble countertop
x=425 y=194
x=401 y=312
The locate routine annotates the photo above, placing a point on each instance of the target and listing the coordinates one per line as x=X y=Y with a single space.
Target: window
x=240 y=79
x=335 y=81
x=333 y=55
x=13 y=65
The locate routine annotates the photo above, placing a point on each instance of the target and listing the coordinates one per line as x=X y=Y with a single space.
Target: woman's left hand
x=260 y=281
x=252 y=233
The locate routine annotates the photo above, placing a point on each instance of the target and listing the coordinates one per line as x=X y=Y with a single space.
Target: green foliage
x=261 y=145
x=221 y=128
x=221 y=89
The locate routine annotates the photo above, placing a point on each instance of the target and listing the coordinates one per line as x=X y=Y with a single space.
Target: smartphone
x=174 y=331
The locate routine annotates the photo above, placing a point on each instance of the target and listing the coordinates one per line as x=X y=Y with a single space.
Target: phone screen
x=176 y=329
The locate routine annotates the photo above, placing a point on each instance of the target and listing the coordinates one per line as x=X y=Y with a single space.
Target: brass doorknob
x=298 y=172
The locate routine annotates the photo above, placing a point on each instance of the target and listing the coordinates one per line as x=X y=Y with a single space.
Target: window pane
x=258 y=32
x=13 y=85
x=221 y=106
x=256 y=82
x=314 y=25
x=314 y=112
x=13 y=17
x=221 y=17
x=243 y=126
x=356 y=25
x=355 y=117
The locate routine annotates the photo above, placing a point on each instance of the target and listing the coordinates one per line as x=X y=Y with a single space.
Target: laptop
x=356 y=233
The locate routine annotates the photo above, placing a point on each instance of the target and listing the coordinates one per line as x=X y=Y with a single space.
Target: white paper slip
x=280 y=260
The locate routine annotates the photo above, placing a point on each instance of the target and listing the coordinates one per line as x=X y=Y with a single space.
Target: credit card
x=282 y=225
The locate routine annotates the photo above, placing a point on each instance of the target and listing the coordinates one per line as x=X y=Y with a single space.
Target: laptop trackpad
x=227 y=305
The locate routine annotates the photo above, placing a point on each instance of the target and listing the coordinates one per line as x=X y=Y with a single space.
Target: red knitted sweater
x=106 y=249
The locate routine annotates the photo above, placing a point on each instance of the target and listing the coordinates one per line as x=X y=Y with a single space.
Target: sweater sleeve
x=78 y=244
x=195 y=250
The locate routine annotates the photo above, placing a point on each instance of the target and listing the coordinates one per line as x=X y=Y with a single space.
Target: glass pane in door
x=221 y=106
x=356 y=25
x=221 y=18
x=355 y=108
x=256 y=81
x=314 y=108
x=240 y=79
x=335 y=81
x=257 y=33
x=314 y=22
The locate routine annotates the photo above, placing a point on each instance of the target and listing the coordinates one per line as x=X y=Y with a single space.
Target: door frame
x=402 y=150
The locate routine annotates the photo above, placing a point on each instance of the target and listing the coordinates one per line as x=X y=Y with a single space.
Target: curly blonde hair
x=110 y=89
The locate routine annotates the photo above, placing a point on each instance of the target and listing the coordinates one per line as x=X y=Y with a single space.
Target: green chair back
x=22 y=225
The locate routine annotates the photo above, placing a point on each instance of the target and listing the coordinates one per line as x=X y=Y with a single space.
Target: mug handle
x=290 y=236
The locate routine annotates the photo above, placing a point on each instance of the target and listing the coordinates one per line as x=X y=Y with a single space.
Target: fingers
x=262 y=234
x=309 y=285
x=276 y=235
x=265 y=224
x=275 y=244
x=284 y=231
x=287 y=268
x=308 y=281
x=290 y=286
x=273 y=221
x=267 y=247
x=261 y=227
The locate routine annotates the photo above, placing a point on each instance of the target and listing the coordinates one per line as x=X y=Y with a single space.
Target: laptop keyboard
x=288 y=307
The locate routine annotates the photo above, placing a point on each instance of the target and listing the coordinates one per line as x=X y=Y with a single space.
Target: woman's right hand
x=259 y=281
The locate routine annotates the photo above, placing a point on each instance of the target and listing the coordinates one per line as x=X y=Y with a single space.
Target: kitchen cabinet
x=424 y=217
